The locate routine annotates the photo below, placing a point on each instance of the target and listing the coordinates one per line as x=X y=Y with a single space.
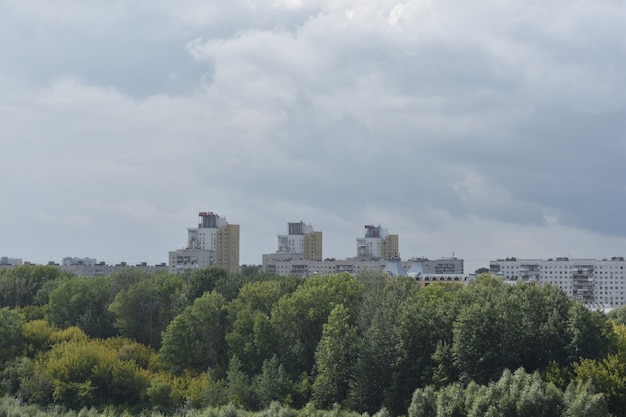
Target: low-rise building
x=6 y=262
x=93 y=268
x=419 y=270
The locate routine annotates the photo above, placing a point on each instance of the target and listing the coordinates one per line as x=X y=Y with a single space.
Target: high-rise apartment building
x=213 y=243
x=377 y=244
x=300 y=252
x=227 y=247
x=301 y=239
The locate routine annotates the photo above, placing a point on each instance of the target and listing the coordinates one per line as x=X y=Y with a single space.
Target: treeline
x=210 y=339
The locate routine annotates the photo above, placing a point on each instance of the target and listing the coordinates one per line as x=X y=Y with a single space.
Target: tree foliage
x=195 y=339
x=517 y=394
x=298 y=318
x=369 y=343
x=144 y=309
x=28 y=285
x=82 y=302
x=96 y=373
x=10 y=334
x=335 y=358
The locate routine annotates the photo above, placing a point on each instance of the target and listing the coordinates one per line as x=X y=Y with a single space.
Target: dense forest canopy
x=373 y=344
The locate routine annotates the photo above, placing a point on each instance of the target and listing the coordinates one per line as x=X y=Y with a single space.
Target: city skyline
x=468 y=127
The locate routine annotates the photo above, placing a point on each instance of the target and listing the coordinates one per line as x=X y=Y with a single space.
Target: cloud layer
x=474 y=127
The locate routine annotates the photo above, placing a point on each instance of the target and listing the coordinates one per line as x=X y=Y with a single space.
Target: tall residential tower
x=213 y=243
x=301 y=239
x=377 y=244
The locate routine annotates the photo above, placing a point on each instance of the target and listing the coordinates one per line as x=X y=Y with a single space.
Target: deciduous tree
x=195 y=339
x=335 y=358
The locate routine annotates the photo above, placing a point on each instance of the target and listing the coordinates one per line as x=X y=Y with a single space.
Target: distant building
x=448 y=270
x=287 y=264
x=426 y=272
x=374 y=251
x=70 y=261
x=6 y=262
x=90 y=267
x=301 y=239
x=446 y=265
x=377 y=244
x=596 y=283
x=213 y=243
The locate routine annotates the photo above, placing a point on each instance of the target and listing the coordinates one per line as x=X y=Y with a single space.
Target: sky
x=479 y=129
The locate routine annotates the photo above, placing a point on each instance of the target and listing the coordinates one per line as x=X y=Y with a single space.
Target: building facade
x=594 y=282
x=301 y=239
x=8 y=263
x=425 y=272
x=299 y=253
x=213 y=243
x=90 y=267
x=377 y=244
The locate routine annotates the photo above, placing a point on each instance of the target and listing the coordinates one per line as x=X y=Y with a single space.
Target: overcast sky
x=476 y=127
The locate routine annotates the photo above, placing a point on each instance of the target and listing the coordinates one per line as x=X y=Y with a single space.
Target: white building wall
x=67 y=261
x=608 y=277
x=369 y=246
x=202 y=238
x=184 y=259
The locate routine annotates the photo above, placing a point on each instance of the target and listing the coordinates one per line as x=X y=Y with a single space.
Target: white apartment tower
x=213 y=243
x=302 y=240
x=377 y=244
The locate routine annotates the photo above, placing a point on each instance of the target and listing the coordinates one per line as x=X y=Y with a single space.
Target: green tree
x=591 y=333
x=502 y=326
x=423 y=403
x=374 y=283
x=195 y=339
x=617 y=315
x=581 y=400
x=124 y=279
x=607 y=376
x=373 y=372
x=143 y=311
x=82 y=302
x=37 y=336
x=96 y=373
x=10 y=334
x=238 y=391
x=28 y=285
x=518 y=394
x=299 y=317
x=335 y=358
x=203 y=280
x=483 y=345
x=272 y=384
x=252 y=337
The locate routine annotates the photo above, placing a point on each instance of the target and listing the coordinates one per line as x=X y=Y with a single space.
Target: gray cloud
x=447 y=121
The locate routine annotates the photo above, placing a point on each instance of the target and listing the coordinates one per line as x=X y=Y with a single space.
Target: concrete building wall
x=213 y=243
x=591 y=281
x=184 y=259
x=390 y=247
x=227 y=249
x=312 y=246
